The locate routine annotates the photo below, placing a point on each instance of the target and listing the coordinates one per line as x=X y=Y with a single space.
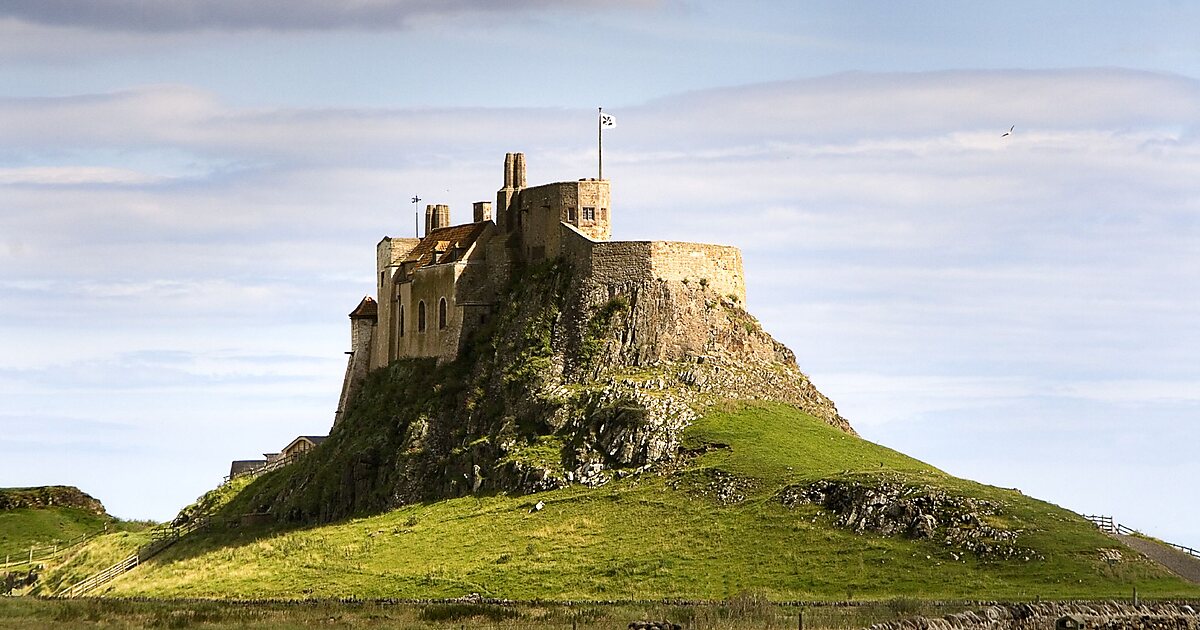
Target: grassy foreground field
x=746 y=612
x=663 y=535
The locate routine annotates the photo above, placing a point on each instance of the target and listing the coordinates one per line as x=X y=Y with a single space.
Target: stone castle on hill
x=431 y=292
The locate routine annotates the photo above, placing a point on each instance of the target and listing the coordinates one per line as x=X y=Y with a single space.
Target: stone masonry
x=433 y=292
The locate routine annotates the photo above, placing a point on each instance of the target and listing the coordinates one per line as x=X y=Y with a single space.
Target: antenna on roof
x=416 y=217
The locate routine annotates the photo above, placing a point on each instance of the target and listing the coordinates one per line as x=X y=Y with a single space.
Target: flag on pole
x=607 y=120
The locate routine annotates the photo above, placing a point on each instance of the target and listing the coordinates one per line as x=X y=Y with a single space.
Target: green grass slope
x=23 y=528
x=708 y=529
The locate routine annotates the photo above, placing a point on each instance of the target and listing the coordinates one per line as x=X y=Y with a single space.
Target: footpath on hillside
x=1186 y=566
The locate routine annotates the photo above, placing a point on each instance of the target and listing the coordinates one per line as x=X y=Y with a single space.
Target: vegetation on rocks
x=663 y=532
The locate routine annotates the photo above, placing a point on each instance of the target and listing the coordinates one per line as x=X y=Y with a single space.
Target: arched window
x=442 y=314
x=421 y=316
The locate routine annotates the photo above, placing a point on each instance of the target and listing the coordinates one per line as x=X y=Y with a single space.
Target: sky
x=191 y=192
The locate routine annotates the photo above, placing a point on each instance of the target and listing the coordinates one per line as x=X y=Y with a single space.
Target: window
x=400 y=325
x=570 y=215
x=442 y=314
x=603 y=214
x=589 y=214
x=421 y=316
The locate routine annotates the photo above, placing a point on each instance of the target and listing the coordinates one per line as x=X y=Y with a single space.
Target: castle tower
x=362 y=332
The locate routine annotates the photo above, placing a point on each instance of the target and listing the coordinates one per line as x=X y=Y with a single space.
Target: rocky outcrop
x=572 y=382
x=893 y=508
x=49 y=496
x=1047 y=615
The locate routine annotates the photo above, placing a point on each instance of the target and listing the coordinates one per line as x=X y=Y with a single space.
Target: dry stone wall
x=1046 y=616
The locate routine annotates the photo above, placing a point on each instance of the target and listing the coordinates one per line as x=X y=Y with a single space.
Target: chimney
x=519 y=170
x=508 y=170
x=482 y=211
x=441 y=217
x=428 y=218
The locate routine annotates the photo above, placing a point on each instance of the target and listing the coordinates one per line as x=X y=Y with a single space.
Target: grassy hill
x=23 y=528
x=722 y=522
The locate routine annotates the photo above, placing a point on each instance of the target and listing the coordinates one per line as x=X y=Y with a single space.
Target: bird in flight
x=1009 y=132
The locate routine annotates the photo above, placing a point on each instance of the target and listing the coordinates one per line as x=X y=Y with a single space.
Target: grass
x=92 y=557
x=23 y=528
x=660 y=535
x=742 y=612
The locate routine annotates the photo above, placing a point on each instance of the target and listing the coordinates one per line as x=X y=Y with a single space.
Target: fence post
x=31 y=555
x=800 y=619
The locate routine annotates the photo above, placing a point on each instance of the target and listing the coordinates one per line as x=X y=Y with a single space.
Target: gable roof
x=315 y=439
x=448 y=240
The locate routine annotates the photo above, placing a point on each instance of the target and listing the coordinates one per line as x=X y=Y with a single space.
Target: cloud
x=276 y=15
x=926 y=271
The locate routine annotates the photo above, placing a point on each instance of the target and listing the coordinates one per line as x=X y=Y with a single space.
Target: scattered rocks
x=725 y=488
x=654 y=625
x=892 y=508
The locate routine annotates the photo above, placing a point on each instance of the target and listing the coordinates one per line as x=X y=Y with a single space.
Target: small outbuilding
x=243 y=466
x=303 y=444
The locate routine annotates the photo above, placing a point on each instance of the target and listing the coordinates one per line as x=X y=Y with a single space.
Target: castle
x=433 y=291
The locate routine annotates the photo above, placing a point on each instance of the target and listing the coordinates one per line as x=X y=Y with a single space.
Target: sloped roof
x=445 y=239
x=366 y=309
x=315 y=439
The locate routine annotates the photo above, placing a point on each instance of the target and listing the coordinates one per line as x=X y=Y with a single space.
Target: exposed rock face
x=573 y=382
x=896 y=509
x=49 y=496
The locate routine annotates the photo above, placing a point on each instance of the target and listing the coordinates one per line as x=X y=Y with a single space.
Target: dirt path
x=1186 y=566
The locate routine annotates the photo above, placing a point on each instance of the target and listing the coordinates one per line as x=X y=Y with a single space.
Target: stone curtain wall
x=715 y=267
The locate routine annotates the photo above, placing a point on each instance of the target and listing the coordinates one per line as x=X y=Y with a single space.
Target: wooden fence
x=46 y=552
x=1107 y=525
x=160 y=538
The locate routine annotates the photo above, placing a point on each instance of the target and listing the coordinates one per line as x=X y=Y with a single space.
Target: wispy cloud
x=277 y=15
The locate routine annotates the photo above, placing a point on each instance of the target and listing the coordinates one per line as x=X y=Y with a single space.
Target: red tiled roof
x=450 y=238
x=366 y=309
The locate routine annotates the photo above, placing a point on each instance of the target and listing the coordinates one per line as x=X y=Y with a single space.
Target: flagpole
x=600 y=142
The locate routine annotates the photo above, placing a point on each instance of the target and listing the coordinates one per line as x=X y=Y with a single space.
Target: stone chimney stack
x=507 y=195
x=441 y=216
x=482 y=211
x=519 y=171
x=508 y=171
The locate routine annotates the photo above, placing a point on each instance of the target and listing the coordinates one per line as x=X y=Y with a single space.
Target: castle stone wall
x=388 y=255
x=716 y=267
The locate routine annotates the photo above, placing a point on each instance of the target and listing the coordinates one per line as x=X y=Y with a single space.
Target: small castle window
x=571 y=215
x=442 y=314
x=400 y=308
x=603 y=214
x=421 y=316
x=589 y=214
